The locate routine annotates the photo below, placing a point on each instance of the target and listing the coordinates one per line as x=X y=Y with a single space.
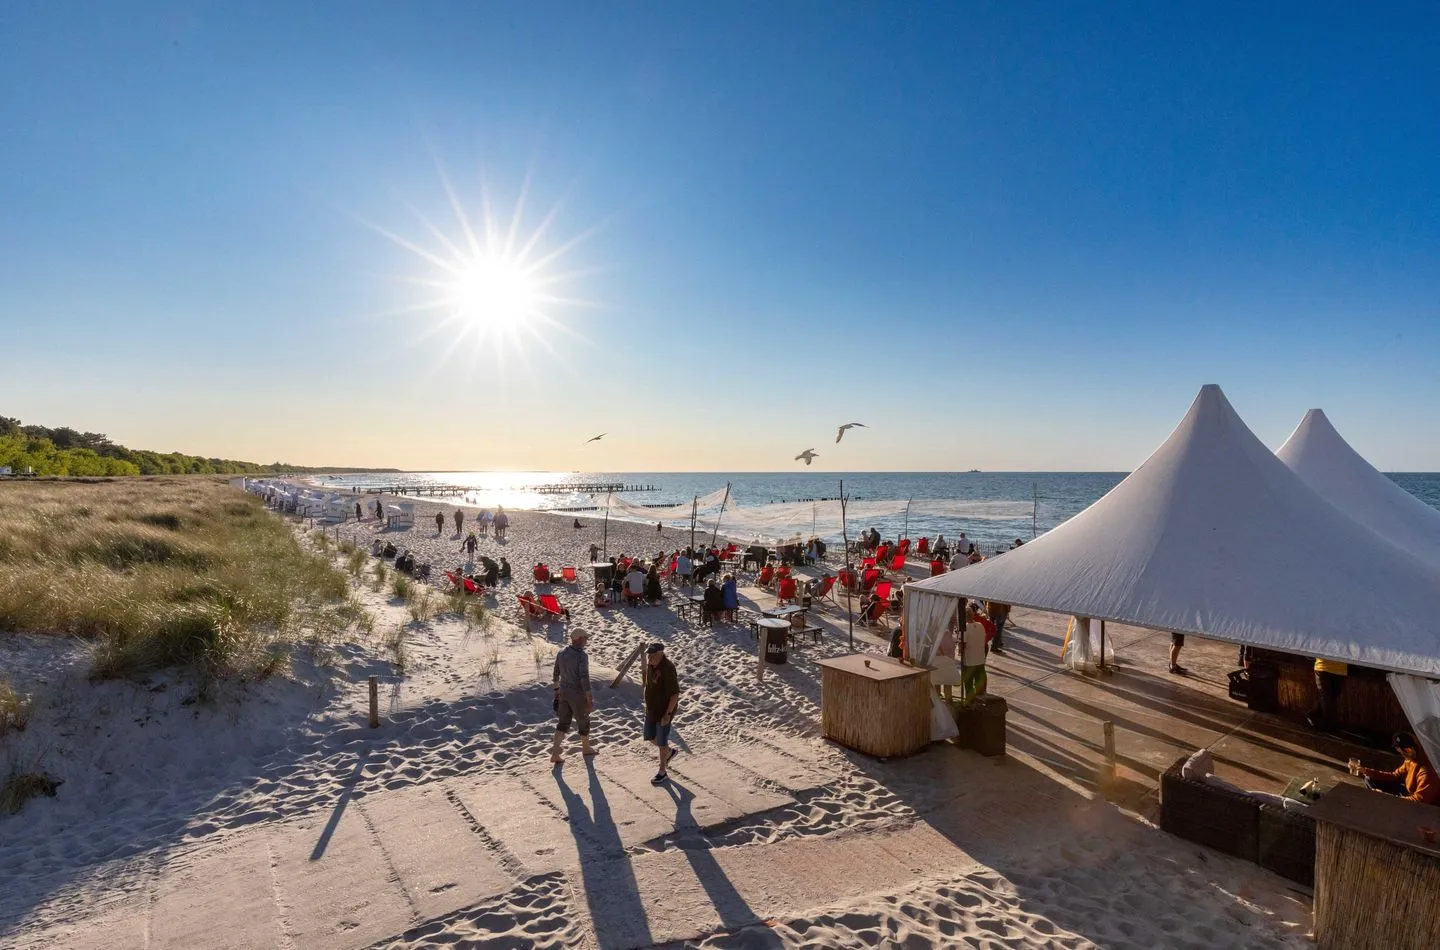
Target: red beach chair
x=569 y=574
x=787 y=590
x=471 y=587
x=937 y=567
x=551 y=605
x=530 y=606
x=542 y=573
x=869 y=578
x=897 y=564
x=827 y=590
x=881 y=553
x=922 y=546
x=903 y=547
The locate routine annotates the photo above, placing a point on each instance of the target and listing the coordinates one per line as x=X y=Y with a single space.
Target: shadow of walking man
x=611 y=892
x=734 y=911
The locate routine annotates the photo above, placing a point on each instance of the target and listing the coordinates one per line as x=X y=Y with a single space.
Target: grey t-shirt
x=572 y=670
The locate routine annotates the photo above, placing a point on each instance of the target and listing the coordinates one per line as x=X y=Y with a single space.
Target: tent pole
x=845 y=535
x=1102 y=646
x=606 y=538
x=906 y=533
x=1034 y=506
x=716 y=535
x=694 y=509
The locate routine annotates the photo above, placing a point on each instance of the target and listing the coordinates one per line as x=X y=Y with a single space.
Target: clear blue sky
x=1005 y=235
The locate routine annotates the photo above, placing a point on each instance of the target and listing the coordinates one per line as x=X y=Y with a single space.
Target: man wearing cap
x=662 y=695
x=572 y=693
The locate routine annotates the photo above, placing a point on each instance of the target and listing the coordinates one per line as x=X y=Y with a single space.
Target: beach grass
x=161 y=572
x=14 y=709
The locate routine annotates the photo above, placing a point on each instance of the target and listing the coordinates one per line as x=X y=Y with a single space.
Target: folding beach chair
x=869 y=578
x=827 y=590
x=787 y=590
x=897 y=564
x=937 y=567
x=922 y=546
x=569 y=574
x=903 y=548
x=551 y=605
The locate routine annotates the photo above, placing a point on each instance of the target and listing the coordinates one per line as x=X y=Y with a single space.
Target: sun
x=492 y=294
x=494 y=289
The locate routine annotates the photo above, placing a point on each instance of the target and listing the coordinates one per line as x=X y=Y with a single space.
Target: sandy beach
x=273 y=817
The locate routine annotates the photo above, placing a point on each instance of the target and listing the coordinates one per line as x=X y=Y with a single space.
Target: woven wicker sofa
x=1287 y=844
x=1268 y=835
x=1215 y=817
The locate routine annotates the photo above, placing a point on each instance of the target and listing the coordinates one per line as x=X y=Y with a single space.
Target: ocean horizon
x=1052 y=497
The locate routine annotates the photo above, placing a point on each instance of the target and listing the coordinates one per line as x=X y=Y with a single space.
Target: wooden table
x=1377 y=883
x=875 y=705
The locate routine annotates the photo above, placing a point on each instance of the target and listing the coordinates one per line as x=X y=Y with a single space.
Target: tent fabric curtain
x=927 y=616
x=1420 y=698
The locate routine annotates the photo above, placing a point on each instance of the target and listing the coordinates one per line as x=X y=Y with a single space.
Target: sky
x=1006 y=236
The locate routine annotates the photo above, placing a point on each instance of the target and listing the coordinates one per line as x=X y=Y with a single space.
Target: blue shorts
x=655 y=732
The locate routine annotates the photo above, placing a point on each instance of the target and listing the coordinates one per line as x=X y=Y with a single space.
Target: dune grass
x=161 y=572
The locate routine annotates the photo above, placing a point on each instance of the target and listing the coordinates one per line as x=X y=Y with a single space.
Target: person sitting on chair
x=635 y=584
x=714 y=604
x=542 y=573
x=767 y=575
x=654 y=590
x=730 y=597
x=1414 y=780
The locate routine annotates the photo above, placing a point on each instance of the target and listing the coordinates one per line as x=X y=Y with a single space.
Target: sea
x=1047 y=498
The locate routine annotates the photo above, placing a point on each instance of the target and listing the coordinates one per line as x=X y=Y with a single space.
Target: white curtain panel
x=926 y=618
x=1420 y=698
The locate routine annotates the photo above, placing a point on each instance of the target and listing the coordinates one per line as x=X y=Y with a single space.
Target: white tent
x=1340 y=475
x=1214 y=536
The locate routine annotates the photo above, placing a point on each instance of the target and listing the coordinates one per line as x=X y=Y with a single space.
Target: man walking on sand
x=439 y=522
x=572 y=694
x=662 y=695
x=459 y=520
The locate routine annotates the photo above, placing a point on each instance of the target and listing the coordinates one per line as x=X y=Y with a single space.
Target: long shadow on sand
x=610 y=888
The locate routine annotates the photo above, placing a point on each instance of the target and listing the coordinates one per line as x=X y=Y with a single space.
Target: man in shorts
x=1177 y=640
x=572 y=694
x=662 y=695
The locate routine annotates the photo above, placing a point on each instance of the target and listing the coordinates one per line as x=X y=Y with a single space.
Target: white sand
x=274 y=818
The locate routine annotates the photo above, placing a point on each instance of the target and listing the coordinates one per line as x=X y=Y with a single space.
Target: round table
x=775 y=640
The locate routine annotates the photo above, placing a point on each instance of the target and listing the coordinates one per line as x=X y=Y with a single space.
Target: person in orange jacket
x=1414 y=780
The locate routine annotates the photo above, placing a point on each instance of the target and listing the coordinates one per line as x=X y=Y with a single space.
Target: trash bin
x=775 y=647
x=1262 y=687
x=982 y=725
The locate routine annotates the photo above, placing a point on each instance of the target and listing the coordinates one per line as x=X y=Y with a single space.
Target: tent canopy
x=1214 y=536
x=1340 y=475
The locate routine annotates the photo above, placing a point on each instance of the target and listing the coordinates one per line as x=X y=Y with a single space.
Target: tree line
x=66 y=451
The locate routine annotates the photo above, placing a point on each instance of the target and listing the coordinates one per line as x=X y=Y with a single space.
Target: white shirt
x=974 y=654
x=682 y=565
x=635 y=580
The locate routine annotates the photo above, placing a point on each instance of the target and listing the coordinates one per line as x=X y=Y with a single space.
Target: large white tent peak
x=1214 y=535
x=1340 y=475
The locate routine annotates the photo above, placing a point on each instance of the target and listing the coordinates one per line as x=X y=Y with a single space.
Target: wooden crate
x=874 y=704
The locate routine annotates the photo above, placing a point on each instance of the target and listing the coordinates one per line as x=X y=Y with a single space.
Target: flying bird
x=808 y=455
x=849 y=425
x=596 y=439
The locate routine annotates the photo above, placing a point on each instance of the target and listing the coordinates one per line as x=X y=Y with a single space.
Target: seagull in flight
x=596 y=439
x=808 y=455
x=849 y=425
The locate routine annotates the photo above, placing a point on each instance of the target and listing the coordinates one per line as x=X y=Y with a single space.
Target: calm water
x=1053 y=496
